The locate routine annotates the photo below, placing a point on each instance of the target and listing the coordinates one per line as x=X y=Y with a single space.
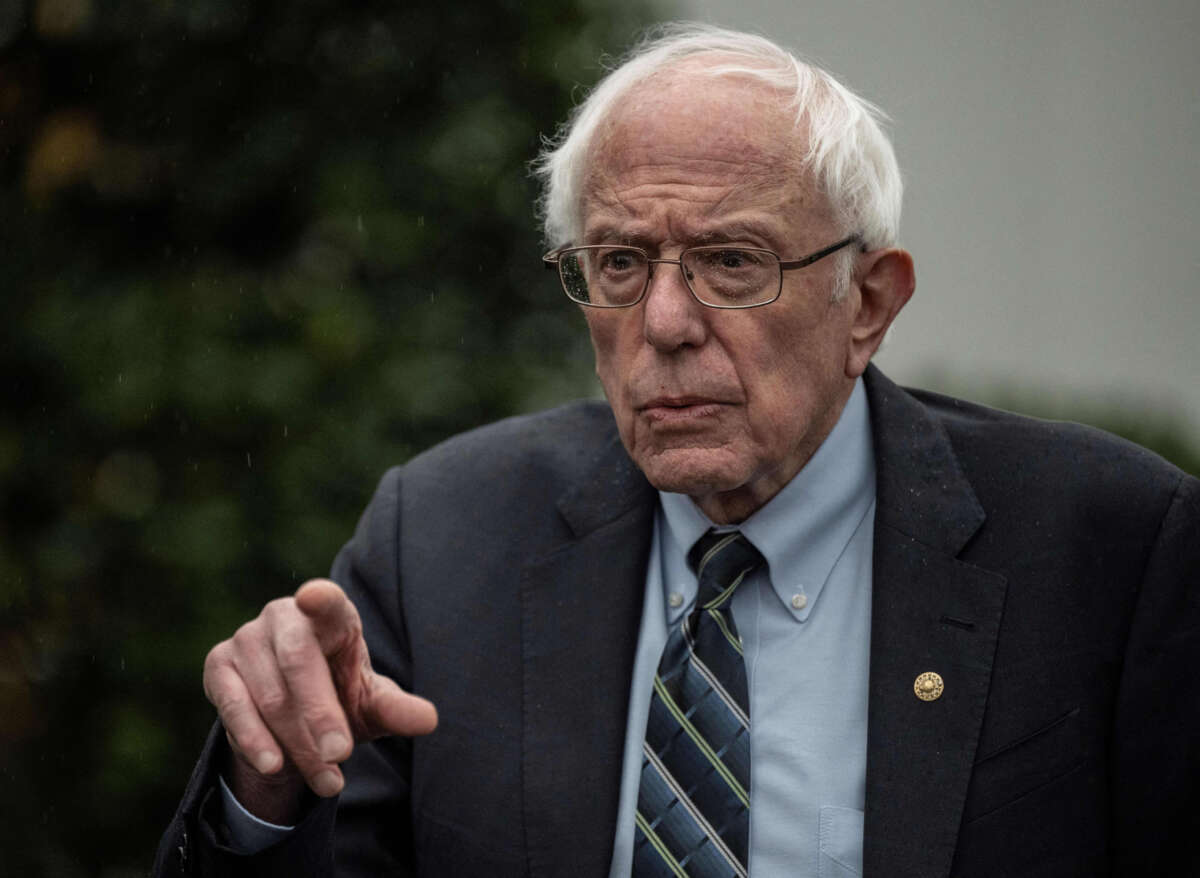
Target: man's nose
x=672 y=317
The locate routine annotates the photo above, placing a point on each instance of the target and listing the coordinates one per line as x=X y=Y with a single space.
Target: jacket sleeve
x=1156 y=738
x=197 y=844
x=372 y=816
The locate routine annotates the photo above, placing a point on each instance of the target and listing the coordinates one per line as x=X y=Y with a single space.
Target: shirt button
x=799 y=601
x=675 y=599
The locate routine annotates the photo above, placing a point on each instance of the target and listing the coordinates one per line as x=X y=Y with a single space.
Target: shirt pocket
x=841 y=843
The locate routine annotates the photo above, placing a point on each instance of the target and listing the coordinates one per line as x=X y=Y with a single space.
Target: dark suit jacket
x=1048 y=573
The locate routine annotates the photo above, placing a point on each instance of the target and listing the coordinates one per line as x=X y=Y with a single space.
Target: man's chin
x=697 y=472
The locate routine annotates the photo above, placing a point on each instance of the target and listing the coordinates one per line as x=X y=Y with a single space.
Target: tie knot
x=721 y=561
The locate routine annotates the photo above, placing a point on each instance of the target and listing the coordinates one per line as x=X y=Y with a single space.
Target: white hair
x=838 y=135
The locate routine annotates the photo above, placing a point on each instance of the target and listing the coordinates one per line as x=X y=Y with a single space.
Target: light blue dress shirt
x=805 y=623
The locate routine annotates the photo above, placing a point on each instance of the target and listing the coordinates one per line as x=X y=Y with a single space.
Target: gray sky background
x=1051 y=154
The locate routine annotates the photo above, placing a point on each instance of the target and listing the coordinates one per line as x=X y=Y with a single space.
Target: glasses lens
x=729 y=277
x=610 y=277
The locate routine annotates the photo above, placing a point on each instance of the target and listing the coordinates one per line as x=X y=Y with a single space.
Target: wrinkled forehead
x=727 y=138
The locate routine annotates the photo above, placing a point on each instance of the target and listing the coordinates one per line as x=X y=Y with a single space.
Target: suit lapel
x=581 y=608
x=930 y=612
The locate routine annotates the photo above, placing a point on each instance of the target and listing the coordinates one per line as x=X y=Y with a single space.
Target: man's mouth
x=668 y=409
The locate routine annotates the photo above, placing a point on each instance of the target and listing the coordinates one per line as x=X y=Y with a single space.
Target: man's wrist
x=276 y=799
x=248 y=834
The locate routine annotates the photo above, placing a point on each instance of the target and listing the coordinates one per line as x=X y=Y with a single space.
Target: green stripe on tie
x=735 y=640
x=658 y=845
x=694 y=734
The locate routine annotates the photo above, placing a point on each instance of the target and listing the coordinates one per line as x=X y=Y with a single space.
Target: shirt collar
x=802 y=530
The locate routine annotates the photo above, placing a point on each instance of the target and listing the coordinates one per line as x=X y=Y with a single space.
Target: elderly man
x=765 y=611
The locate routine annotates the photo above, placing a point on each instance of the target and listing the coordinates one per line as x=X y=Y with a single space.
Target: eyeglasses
x=613 y=276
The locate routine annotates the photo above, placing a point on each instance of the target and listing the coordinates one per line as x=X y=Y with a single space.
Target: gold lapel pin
x=928 y=686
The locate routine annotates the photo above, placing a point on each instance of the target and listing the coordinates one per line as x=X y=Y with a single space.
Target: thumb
x=375 y=704
x=389 y=710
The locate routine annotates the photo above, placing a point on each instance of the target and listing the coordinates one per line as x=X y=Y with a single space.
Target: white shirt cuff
x=247 y=834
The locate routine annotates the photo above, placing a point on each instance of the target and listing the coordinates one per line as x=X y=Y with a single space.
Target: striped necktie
x=693 y=811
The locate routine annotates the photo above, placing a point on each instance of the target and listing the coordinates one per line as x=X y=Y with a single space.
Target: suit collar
x=609 y=486
x=920 y=488
x=581 y=606
x=930 y=611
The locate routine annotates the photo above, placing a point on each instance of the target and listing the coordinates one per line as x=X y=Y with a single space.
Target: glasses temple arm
x=821 y=254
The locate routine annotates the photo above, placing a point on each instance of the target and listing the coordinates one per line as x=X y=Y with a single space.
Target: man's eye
x=618 y=260
x=729 y=260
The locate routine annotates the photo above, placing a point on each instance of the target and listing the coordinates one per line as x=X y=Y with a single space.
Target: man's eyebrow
x=739 y=229
x=611 y=233
x=614 y=233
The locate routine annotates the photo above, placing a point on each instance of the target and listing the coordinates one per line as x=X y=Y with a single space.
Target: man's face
x=725 y=406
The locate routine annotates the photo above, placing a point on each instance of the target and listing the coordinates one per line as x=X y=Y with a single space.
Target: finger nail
x=333 y=746
x=265 y=761
x=327 y=784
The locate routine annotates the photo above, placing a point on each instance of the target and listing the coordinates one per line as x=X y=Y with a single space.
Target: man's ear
x=884 y=282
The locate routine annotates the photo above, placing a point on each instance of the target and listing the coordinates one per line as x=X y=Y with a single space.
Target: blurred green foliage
x=253 y=254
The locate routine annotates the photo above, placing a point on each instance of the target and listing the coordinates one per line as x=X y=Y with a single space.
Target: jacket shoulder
x=556 y=440
x=1056 y=469
x=985 y=433
x=514 y=470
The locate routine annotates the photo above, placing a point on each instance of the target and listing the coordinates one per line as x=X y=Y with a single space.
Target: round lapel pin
x=928 y=686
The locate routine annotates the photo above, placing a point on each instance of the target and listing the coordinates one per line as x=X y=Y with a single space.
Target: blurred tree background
x=252 y=255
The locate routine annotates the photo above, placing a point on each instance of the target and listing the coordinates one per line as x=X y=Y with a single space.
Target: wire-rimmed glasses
x=719 y=276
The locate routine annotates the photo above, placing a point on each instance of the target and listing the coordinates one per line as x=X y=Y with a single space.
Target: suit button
x=928 y=686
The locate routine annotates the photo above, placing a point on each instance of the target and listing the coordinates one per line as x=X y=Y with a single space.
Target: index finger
x=335 y=621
